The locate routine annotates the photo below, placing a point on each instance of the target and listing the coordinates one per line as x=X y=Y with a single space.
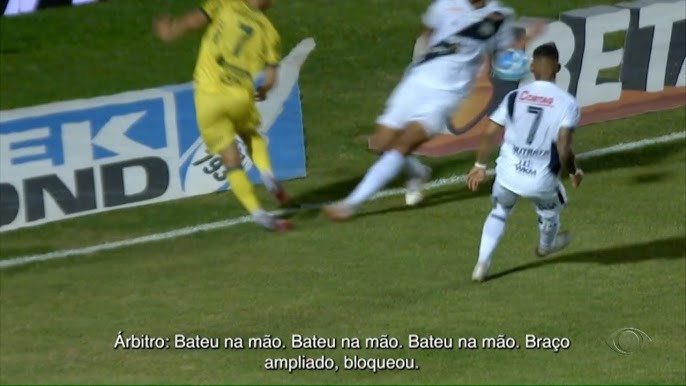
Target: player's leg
x=385 y=169
x=549 y=208
x=417 y=173
x=430 y=110
x=244 y=190
x=494 y=227
x=383 y=137
x=420 y=118
x=238 y=180
x=218 y=130
x=389 y=125
x=259 y=153
x=441 y=106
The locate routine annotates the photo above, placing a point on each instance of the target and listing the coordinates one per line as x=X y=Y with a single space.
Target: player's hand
x=475 y=177
x=164 y=28
x=535 y=29
x=577 y=178
x=260 y=94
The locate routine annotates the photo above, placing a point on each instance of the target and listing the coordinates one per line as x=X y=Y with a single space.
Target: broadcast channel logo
x=627 y=340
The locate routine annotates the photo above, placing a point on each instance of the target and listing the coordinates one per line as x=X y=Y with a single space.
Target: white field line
x=441 y=182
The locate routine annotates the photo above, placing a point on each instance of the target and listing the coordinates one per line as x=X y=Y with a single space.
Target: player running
x=461 y=34
x=539 y=120
x=239 y=43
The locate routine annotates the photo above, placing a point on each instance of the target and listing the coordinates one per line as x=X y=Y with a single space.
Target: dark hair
x=548 y=50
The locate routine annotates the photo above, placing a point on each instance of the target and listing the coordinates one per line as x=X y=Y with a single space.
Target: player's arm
x=517 y=38
x=567 y=156
x=271 y=76
x=564 y=149
x=478 y=173
x=532 y=31
x=272 y=57
x=421 y=45
x=168 y=28
x=564 y=144
x=486 y=146
x=498 y=119
x=430 y=21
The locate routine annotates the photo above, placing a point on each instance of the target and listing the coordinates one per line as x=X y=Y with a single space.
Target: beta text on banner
x=80 y=157
x=647 y=74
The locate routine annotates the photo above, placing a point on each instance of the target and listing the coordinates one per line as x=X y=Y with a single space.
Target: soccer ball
x=510 y=65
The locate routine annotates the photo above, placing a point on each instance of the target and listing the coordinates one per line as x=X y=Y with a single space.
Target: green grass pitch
x=393 y=270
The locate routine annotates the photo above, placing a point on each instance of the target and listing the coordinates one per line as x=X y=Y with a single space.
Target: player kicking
x=239 y=43
x=461 y=33
x=539 y=120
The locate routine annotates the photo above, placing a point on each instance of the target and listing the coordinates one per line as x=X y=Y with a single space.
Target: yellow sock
x=260 y=153
x=243 y=190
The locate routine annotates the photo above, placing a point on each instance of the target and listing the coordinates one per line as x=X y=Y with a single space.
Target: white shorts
x=413 y=101
x=548 y=204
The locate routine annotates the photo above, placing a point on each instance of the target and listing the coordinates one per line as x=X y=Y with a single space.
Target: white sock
x=494 y=228
x=413 y=167
x=548 y=228
x=381 y=173
x=259 y=213
x=269 y=181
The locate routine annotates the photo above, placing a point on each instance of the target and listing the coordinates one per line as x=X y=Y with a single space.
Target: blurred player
x=539 y=120
x=460 y=33
x=239 y=44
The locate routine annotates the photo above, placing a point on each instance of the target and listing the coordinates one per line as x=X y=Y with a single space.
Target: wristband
x=480 y=165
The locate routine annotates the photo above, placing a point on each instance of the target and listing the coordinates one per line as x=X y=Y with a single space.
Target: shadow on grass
x=341 y=188
x=451 y=165
x=669 y=248
x=436 y=199
x=649 y=178
x=638 y=157
x=326 y=193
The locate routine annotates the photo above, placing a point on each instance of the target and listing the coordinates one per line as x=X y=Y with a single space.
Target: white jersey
x=533 y=115
x=462 y=36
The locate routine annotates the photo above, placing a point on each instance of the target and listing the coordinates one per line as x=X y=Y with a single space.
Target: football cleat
x=280 y=195
x=414 y=186
x=480 y=273
x=275 y=188
x=269 y=222
x=561 y=241
x=338 y=211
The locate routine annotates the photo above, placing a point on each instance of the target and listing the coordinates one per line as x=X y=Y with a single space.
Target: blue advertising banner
x=81 y=157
